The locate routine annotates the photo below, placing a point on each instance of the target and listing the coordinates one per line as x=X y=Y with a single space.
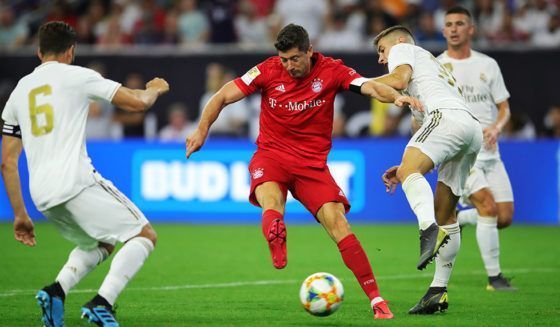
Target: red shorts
x=311 y=186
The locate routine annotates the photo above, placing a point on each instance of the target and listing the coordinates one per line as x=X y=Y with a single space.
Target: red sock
x=267 y=217
x=356 y=260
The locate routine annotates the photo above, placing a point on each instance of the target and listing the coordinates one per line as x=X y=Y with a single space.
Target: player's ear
x=310 y=51
x=39 y=54
x=70 y=54
x=472 y=30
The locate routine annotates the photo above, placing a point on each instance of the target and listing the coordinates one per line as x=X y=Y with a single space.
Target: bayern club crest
x=317 y=85
x=258 y=173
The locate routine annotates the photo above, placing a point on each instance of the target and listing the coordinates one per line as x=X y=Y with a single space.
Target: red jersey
x=296 y=119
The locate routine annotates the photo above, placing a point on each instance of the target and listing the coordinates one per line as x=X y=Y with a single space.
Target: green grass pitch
x=223 y=276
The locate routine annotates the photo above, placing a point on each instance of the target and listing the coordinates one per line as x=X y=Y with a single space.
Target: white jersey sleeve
x=497 y=85
x=96 y=87
x=401 y=54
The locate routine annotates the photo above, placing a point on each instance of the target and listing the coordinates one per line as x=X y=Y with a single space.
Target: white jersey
x=431 y=82
x=50 y=108
x=483 y=86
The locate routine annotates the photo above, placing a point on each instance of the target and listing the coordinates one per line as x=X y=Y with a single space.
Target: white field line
x=420 y=275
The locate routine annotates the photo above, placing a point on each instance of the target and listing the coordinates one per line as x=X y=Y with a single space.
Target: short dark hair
x=390 y=30
x=56 y=37
x=292 y=36
x=458 y=10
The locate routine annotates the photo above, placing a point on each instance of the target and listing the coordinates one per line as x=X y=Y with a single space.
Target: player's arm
x=398 y=78
x=23 y=226
x=228 y=94
x=140 y=100
x=491 y=132
x=388 y=94
x=390 y=179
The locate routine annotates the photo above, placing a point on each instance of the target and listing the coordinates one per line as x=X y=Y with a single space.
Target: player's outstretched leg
x=80 y=263
x=126 y=263
x=331 y=216
x=357 y=261
x=274 y=231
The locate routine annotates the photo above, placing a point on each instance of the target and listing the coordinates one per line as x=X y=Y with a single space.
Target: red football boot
x=276 y=238
x=381 y=311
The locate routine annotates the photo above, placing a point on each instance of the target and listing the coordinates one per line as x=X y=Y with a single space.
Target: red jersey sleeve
x=252 y=80
x=345 y=75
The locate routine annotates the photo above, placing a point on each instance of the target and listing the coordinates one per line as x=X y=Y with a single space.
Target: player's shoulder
x=329 y=61
x=271 y=65
x=443 y=56
x=81 y=71
x=482 y=57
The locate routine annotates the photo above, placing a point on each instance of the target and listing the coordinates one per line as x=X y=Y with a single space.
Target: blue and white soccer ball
x=321 y=294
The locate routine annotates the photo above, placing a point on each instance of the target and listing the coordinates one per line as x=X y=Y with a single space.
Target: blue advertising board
x=213 y=186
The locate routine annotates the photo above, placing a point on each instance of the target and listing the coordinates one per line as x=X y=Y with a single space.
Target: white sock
x=79 y=264
x=125 y=265
x=446 y=257
x=489 y=244
x=376 y=300
x=421 y=199
x=467 y=217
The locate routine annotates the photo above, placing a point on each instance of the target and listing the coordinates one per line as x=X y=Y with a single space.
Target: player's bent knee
x=109 y=247
x=488 y=208
x=149 y=233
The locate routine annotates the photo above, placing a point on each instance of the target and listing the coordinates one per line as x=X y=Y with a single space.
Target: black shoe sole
x=431 y=309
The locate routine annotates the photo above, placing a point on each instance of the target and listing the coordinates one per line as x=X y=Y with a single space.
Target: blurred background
x=200 y=45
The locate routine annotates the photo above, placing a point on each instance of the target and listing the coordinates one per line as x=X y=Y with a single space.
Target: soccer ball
x=321 y=294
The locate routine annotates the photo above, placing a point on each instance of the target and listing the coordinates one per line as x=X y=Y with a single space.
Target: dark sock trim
x=100 y=300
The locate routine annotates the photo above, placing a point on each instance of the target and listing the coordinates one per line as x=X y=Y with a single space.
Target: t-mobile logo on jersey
x=301 y=106
x=272 y=102
x=296 y=105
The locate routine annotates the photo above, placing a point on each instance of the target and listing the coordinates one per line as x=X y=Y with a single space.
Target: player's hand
x=390 y=180
x=195 y=141
x=24 y=231
x=159 y=84
x=491 y=136
x=412 y=102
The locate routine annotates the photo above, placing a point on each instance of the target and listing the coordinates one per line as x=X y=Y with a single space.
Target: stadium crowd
x=252 y=24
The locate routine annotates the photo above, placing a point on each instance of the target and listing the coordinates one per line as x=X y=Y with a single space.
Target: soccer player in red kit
x=298 y=88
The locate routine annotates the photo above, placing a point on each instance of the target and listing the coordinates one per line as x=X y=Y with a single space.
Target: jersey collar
x=46 y=63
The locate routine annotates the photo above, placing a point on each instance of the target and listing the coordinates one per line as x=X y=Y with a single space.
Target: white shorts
x=489 y=174
x=452 y=139
x=99 y=213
